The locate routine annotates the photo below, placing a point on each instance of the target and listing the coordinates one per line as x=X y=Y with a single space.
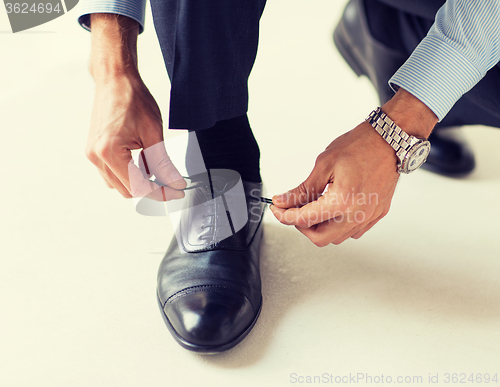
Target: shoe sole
x=207 y=350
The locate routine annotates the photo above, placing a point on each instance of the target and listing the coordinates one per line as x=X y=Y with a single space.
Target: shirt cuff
x=134 y=9
x=437 y=74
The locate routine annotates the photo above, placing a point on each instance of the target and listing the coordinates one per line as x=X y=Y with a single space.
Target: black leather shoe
x=450 y=154
x=209 y=288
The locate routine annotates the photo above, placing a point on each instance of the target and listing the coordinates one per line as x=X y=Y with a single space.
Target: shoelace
x=259 y=198
x=211 y=225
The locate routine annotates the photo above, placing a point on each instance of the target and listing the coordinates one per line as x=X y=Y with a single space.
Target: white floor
x=418 y=295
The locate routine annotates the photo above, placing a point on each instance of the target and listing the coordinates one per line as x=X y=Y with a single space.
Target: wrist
x=411 y=149
x=377 y=142
x=114 y=47
x=410 y=114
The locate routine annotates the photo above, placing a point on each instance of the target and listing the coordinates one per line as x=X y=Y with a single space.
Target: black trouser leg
x=209 y=47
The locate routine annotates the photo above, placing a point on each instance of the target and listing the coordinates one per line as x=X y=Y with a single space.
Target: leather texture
x=364 y=54
x=209 y=288
x=450 y=154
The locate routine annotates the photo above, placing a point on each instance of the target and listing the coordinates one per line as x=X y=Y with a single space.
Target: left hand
x=360 y=171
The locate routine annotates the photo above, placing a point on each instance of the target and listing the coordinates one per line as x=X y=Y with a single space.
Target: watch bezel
x=406 y=161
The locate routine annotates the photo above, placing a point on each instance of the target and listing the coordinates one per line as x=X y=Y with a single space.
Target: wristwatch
x=411 y=151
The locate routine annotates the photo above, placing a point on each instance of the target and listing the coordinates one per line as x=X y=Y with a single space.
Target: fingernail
x=176 y=176
x=281 y=198
x=176 y=180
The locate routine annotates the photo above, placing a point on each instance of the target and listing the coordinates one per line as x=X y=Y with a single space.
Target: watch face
x=417 y=156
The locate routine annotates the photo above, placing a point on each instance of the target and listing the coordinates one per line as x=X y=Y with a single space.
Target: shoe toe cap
x=210 y=317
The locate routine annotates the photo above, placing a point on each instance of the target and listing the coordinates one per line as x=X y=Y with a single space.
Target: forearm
x=114 y=47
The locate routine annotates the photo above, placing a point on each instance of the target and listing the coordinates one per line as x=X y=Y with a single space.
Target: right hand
x=356 y=166
x=125 y=116
x=359 y=169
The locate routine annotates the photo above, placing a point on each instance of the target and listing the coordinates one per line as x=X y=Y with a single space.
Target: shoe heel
x=342 y=45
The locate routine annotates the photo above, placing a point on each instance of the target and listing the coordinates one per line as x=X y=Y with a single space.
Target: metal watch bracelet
x=411 y=151
x=393 y=134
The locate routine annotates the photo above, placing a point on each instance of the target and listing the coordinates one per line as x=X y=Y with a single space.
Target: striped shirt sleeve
x=134 y=9
x=461 y=46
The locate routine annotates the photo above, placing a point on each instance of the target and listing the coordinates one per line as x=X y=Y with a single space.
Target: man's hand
x=361 y=176
x=125 y=116
x=358 y=169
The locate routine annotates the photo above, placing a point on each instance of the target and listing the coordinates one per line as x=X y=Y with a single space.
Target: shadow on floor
x=294 y=271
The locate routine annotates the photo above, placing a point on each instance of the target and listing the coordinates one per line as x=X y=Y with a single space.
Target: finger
x=334 y=230
x=346 y=236
x=106 y=181
x=120 y=162
x=116 y=157
x=154 y=160
x=298 y=196
x=310 y=190
x=109 y=177
x=94 y=159
x=113 y=181
x=142 y=187
x=318 y=211
x=361 y=232
x=164 y=194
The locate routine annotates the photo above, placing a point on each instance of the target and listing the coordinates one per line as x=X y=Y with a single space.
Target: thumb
x=306 y=192
x=154 y=160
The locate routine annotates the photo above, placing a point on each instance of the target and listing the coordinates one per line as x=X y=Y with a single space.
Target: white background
x=418 y=294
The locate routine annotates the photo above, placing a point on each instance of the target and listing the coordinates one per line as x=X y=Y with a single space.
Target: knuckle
x=324 y=161
x=103 y=149
x=91 y=155
x=318 y=241
x=303 y=194
x=166 y=163
x=280 y=218
x=369 y=213
x=320 y=159
x=301 y=190
x=302 y=222
x=303 y=187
